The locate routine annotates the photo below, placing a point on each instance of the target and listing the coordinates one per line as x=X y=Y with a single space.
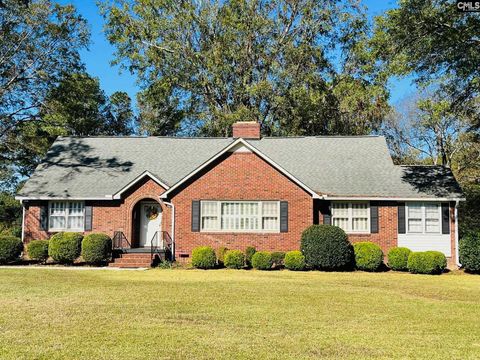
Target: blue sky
x=97 y=58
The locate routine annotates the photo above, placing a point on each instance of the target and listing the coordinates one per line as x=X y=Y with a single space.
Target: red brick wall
x=108 y=215
x=242 y=176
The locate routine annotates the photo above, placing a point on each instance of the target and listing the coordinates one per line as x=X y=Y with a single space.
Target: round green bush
x=326 y=247
x=11 y=248
x=203 y=257
x=427 y=262
x=278 y=258
x=469 y=251
x=221 y=255
x=398 y=258
x=368 y=256
x=65 y=247
x=38 y=250
x=262 y=260
x=234 y=259
x=96 y=248
x=294 y=260
x=249 y=252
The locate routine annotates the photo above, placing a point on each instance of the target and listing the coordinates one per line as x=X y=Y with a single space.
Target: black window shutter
x=195 y=215
x=401 y=218
x=283 y=216
x=445 y=218
x=374 y=217
x=88 y=218
x=43 y=217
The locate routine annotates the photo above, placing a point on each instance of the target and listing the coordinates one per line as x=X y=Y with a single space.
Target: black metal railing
x=161 y=242
x=120 y=241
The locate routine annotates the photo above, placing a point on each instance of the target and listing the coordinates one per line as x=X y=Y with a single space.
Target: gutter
x=23 y=220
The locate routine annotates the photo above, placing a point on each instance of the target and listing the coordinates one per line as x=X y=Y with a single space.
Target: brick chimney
x=246 y=130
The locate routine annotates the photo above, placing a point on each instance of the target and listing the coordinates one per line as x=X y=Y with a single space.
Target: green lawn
x=190 y=314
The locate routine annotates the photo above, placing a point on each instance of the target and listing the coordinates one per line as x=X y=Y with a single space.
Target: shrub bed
x=11 y=248
x=278 y=258
x=65 y=247
x=262 y=260
x=203 y=257
x=96 y=248
x=294 y=260
x=326 y=247
x=249 y=252
x=427 y=262
x=368 y=256
x=221 y=255
x=234 y=259
x=38 y=250
x=469 y=251
x=398 y=258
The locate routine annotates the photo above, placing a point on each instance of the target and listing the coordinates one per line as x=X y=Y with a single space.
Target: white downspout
x=457 y=256
x=23 y=220
x=173 y=226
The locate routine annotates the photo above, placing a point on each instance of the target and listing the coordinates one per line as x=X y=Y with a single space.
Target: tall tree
x=436 y=42
x=40 y=41
x=286 y=64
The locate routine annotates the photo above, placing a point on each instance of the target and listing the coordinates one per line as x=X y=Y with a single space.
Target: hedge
x=368 y=256
x=65 y=247
x=398 y=258
x=326 y=247
x=427 y=262
x=38 y=250
x=262 y=260
x=203 y=257
x=96 y=248
x=278 y=258
x=294 y=260
x=11 y=248
x=469 y=251
x=234 y=259
x=249 y=252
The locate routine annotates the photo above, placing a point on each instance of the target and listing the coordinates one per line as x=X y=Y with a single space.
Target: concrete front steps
x=131 y=260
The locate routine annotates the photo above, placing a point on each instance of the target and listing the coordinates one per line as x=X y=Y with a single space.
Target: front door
x=150 y=223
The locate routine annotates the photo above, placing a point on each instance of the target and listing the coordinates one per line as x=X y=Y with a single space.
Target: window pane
x=340 y=209
x=432 y=226
x=239 y=215
x=209 y=222
x=432 y=211
x=360 y=224
x=360 y=210
x=209 y=208
x=415 y=211
x=270 y=208
x=57 y=222
x=341 y=223
x=415 y=225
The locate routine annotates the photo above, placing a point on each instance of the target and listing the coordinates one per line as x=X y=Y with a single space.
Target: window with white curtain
x=423 y=218
x=351 y=216
x=66 y=216
x=240 y=216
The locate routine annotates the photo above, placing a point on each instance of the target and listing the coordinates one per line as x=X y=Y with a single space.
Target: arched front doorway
x=146 y=224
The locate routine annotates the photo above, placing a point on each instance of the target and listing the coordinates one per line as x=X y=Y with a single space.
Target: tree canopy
x=297 y=67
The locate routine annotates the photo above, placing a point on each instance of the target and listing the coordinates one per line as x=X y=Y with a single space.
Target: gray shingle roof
x=96 y=167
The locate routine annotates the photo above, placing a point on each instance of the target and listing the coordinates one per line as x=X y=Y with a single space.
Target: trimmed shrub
x=96 y=248
x=262 y=260
x=469 y=250
x=398 y=258
x=278 y=258
x=427 y=262
x=368 y=256
x=294 y=260
x=249 y=252
x=221 y=255
x=65 y=247
x=234 y=259
x=11 y=248
x=203 y=257
x=326 y=247
x=38 y=250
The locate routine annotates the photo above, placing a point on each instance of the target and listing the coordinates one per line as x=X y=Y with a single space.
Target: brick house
x=174 y=194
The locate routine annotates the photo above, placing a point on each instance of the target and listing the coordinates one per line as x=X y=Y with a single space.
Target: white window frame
x=350 y=216
x=424 y=217
x=260 y=216
x=65 y=228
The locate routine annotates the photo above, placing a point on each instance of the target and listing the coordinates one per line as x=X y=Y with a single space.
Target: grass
x=235 y=314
